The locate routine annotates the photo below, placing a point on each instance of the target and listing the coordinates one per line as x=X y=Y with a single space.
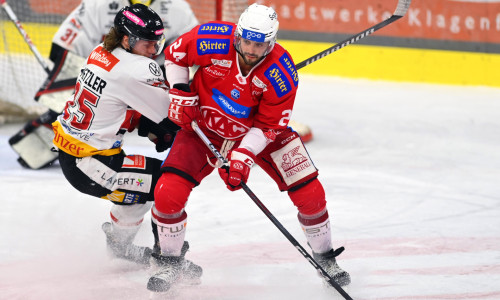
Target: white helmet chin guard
x=257 y=23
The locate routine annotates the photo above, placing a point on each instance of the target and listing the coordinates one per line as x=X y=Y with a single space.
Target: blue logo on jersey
x=229 y=106
x=117 y=144
x=131 y=198
x=278 y=80
x=287 y=63
x=235 y=94
x=215 y=28
x=253 y=35
x=212 y=46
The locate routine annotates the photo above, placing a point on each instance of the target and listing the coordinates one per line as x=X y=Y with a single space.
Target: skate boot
x=329 y=264
x=172 y=270
x=120 y=245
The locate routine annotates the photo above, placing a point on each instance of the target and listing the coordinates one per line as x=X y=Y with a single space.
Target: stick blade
x=402 y=8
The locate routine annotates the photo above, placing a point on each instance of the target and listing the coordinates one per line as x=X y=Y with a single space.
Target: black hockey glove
x=162 y=134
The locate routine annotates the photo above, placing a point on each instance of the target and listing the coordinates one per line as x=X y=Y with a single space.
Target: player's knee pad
x=171 y=193
x=309 y=199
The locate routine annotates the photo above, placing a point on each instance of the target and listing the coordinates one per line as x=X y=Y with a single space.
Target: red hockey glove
x=184 y=106
x=239 y=168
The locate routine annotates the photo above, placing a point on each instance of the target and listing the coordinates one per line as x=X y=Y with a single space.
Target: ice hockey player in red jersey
x=242 y=98
x=119 y=88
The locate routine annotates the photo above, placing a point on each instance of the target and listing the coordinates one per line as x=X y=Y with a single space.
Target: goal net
x=21 y=75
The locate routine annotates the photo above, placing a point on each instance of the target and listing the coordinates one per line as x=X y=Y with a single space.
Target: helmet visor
x=159 y=42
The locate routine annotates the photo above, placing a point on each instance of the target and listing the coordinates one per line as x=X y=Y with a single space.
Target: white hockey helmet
x=257 y=23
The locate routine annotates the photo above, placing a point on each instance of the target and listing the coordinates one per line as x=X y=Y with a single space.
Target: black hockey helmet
x=140 y=22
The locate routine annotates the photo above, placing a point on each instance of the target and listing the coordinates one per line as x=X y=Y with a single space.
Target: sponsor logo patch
x=222 y=62
x=293 y=162
x=235 y=94
x=278 y=80
x=212 y=46
x=258 y=82
x=287 y=63
x=215 y=28
x=229 y=106
x=132 y=17
x=122 y=197
x=253 y=36
x=219 y=123
x=102 y=58
x=134 y=162
x=155 y=69
x=216 y=71
x=131 y=198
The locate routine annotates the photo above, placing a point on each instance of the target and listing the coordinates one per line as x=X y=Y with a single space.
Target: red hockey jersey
x=232 y=103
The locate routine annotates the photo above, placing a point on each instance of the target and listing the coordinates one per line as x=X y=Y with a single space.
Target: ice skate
x=328 y=262
x=173 y=270
x=120 y=245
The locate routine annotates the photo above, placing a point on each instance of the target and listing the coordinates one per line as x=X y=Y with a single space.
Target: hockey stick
x=23 y=32
x=401 y=9
x=271 y=217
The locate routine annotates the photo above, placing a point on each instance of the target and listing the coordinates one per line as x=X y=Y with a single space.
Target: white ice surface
x=412 y=177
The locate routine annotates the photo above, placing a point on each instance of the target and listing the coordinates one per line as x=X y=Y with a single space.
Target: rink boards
x=354 y=61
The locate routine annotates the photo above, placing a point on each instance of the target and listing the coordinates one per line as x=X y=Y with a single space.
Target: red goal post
x=226 y=10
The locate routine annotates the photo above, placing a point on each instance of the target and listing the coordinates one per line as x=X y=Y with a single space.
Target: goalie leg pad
x=34 y=148
x=33 y=143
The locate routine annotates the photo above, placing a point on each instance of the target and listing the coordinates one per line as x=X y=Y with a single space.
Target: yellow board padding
x=399 y=64
x=40 y=34
x=354 y=61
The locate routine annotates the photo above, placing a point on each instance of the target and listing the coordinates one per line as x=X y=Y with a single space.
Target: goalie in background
x=80 y=32
x=242 y=98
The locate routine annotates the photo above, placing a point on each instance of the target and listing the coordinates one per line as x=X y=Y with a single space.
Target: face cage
x=237 y=45
x=158 y=45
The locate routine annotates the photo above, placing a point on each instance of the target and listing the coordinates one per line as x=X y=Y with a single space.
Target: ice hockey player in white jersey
x=80 y=32
x=118 y=89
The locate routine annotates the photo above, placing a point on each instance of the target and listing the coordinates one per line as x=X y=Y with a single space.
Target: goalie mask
x=140 y=22
x=145 y=2
x=257 y=23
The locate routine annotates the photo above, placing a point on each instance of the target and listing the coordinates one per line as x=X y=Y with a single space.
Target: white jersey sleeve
x=85 y=27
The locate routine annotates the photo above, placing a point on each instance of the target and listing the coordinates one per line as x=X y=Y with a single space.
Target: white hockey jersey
x=110 y=83
x=87 y=24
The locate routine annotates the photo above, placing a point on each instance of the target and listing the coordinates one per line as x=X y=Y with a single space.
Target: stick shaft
x=24 y=34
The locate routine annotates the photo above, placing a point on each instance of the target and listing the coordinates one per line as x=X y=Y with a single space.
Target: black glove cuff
x=182 y=87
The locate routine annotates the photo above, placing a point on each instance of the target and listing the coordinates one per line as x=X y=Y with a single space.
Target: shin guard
x=317 y=231
x=169 y=232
